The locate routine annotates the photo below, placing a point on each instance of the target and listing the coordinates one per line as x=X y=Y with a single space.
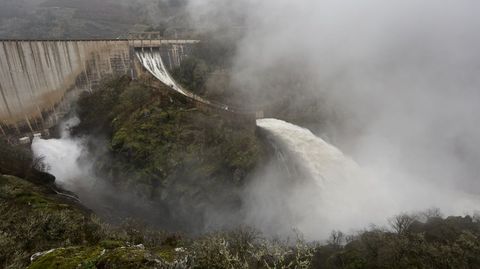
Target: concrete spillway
x=35 y=75
x=152 y=61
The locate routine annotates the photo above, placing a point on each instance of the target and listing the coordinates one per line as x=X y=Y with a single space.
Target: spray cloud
x=402 y=75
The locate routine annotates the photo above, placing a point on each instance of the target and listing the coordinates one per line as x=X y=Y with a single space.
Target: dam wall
x=35 y=75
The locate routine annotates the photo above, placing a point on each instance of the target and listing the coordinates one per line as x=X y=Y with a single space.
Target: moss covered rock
x=66 y=258
x=133 y=257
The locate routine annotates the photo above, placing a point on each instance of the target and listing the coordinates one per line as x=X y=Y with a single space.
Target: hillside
x=166 y=151
x=45 y=19
x=62 y=234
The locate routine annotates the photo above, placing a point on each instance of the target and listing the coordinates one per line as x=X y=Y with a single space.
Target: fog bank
x=399 y=87
x=402 y=75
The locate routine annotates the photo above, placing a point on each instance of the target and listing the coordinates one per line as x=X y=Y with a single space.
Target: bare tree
x=337 y=238
x=432 y=213
x=401 y=223
x=476 y=217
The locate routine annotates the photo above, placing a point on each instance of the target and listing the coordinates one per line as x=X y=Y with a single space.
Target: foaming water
x=327 y=198
x=62 y=157
x=336 y=194
x=326 y=164
x=152 y=61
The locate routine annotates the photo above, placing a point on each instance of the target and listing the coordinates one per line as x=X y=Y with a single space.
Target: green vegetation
x=241 y=249
x=35 y=218
x=87 y=18
x=206 y=70
x=96 y=257
x=426 y=242
x=192 y=74
x=167 y=150
x=170 y=152
x=18 y=161
x=433 y=243
x=72 y=257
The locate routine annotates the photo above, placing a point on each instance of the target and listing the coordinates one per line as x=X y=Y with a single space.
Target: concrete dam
x=35 y=75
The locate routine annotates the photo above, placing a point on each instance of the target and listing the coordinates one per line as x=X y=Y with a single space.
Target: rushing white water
x=63 y=157
x=335 y=193
x=327 y=165
x=338 y=194
x=152 y=61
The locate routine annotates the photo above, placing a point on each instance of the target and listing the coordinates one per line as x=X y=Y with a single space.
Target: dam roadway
x=35 y=75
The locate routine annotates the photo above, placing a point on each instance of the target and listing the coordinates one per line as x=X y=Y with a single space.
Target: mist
x=63 y=157
x=70 y=159
x=398 y=81
x=76 y=162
